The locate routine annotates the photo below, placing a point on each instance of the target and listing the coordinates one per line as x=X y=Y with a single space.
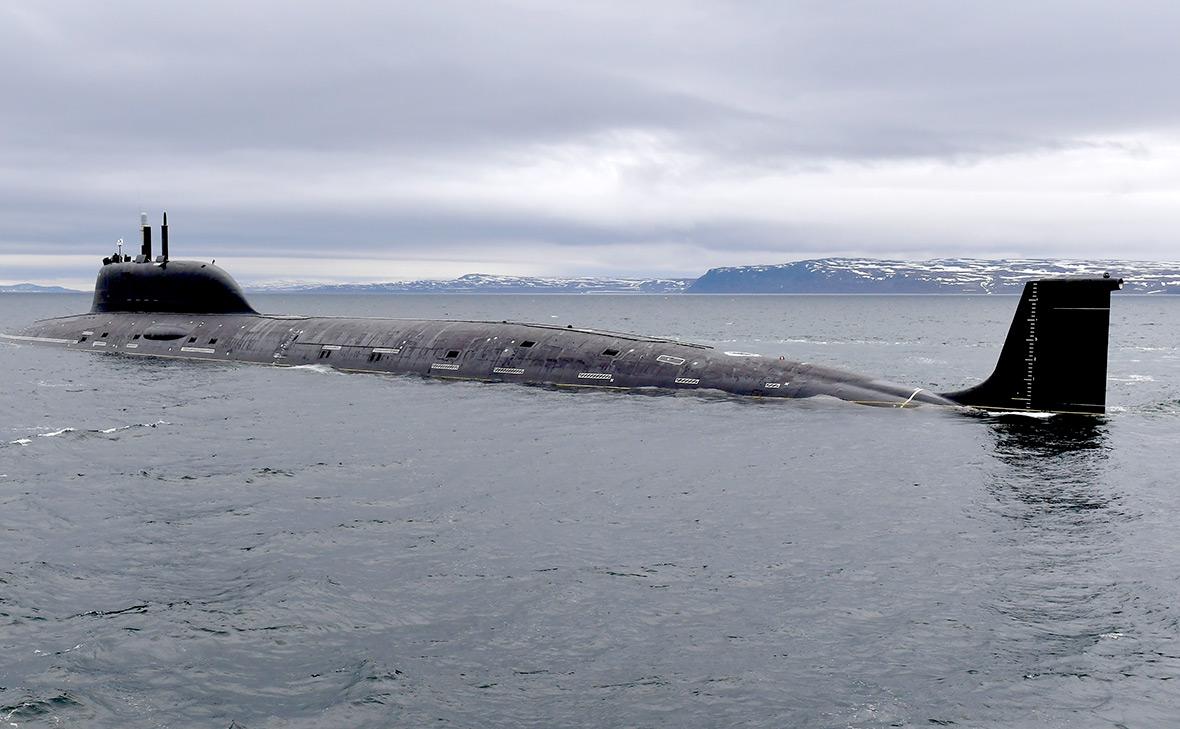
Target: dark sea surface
x=215 y=545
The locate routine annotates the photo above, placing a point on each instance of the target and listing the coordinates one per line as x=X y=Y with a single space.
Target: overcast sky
x=396 y=140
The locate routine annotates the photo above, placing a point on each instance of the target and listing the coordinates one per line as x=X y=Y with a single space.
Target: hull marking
x=669 y=359
x=444 y=366
x=387 y=350
x=201 y=350
x=508 y=370
x=595 y=376
x=687 y=381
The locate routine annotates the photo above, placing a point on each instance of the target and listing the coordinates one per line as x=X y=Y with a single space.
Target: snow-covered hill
x=941 y=275
x=486 y=283
x=816 y=276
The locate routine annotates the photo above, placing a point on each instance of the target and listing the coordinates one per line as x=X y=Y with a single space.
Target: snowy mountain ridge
x=490 y=283
x=940 y=275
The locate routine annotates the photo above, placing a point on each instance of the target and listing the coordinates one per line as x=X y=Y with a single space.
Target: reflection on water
x=1057 y=463
x=1020 y=436
x=1066 y=608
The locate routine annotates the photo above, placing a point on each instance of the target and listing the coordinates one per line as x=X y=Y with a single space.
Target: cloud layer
x=375 y=140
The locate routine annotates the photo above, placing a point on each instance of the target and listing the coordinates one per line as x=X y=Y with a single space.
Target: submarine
x=1053 y=360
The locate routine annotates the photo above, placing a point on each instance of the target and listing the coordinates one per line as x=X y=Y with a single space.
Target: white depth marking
x=98 y=344
x=202 y=350
x=508 y=370
x=52 y=340
x=131 y=346
x=331 y=347
x=687 y=381
x=386 y=350
x=594 y=376
x=773 y=385
x=444 y=366
x=742 y=354
x=87 y=333
x=669 y=359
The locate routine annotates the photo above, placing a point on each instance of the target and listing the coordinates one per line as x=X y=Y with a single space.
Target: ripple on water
x=218 y=544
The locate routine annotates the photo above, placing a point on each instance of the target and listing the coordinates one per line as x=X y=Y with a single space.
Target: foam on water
x=52 y=434
x=317 y=368
x=1035 y=415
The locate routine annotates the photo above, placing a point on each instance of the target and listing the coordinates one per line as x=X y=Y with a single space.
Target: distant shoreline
x=813 y=277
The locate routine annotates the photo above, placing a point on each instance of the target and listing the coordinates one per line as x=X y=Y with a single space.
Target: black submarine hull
x=525 y=353
x=1053 y=360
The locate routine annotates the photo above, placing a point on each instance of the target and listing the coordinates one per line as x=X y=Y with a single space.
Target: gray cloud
x=279 y=127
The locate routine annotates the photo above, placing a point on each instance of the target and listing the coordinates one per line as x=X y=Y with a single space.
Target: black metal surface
x=146 y=248
x=178 y=287
x=1054 y=358
x=164 y=239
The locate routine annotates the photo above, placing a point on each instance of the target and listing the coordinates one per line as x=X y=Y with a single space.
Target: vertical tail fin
x=1054 y=358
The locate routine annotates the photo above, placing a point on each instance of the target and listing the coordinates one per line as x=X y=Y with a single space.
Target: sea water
x=189 y=544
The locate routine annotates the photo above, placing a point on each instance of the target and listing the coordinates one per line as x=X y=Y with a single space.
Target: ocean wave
x=55 y=433
x=86 y=431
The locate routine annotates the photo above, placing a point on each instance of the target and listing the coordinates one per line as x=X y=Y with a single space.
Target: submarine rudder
x=1054 y=358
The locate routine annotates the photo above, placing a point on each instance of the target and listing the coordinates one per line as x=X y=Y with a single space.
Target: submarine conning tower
x=171 y=287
